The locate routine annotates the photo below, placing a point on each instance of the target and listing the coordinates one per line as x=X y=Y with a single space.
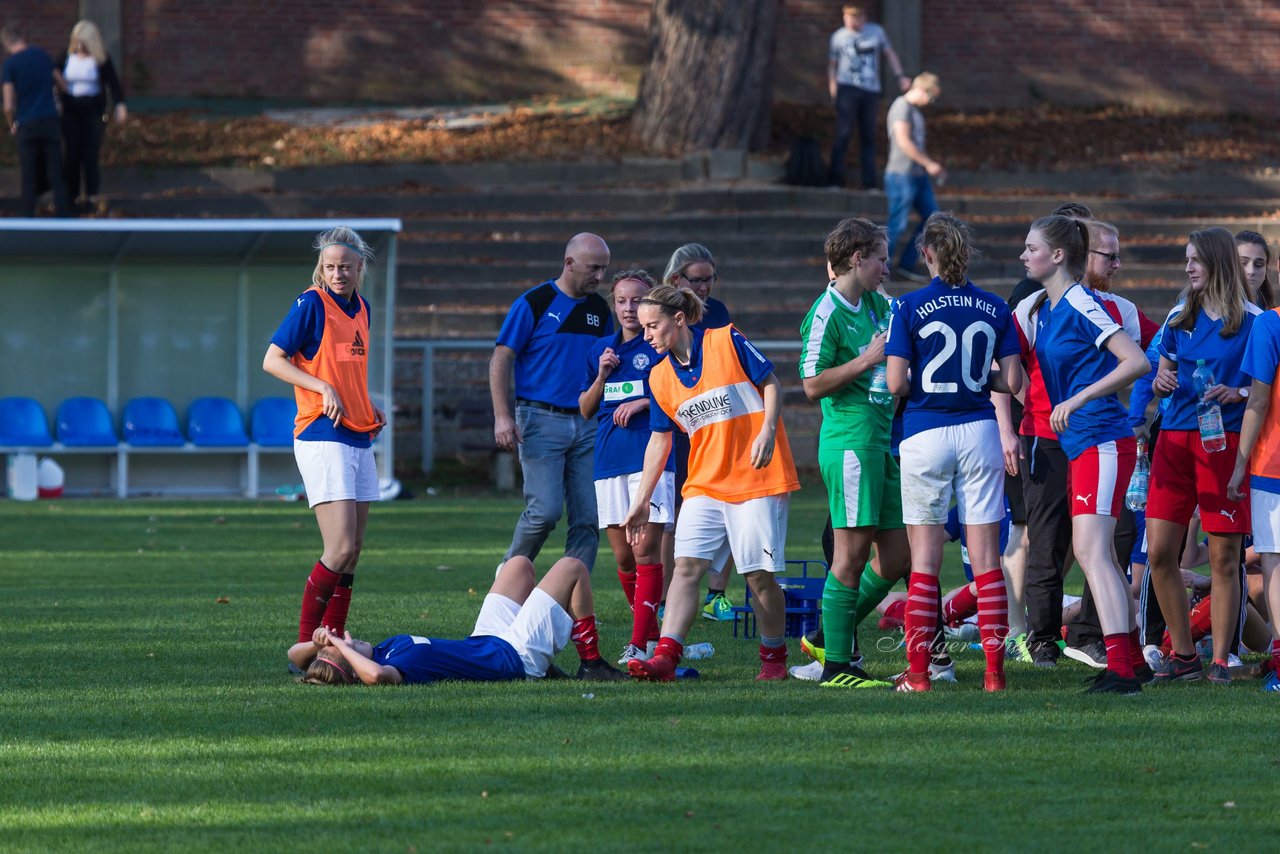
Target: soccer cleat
x=1143 y=673
x=659 y=668
x=1272 y=683
x=718 y=607
x=772 y=671
x=1218 y=673
x=908 y=682
x=630 y=652
x=1094 y=654
x=809 y=644
x=940 y=670
x=810 y=672
x=554 y=672
x=1174 y=669
x=1016 y=648
x=849 y=676
x=599 y=670
x=1110 y=682
x=993 y=681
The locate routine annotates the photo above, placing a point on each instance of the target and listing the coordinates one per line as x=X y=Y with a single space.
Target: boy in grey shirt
x=853 y=81
x=907 y=175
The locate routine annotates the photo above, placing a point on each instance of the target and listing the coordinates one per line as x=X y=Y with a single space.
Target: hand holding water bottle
x=878 y=392
x=1208 y=411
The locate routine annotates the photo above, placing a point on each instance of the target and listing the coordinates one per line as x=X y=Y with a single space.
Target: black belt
x=537 y=404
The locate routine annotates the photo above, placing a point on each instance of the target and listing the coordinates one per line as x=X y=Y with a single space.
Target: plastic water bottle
x=1208 y=412
x=1136 y=496
x=879 y=391
x=699 y=651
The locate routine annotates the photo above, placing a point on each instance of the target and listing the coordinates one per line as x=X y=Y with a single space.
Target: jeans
x=557 y=458
x=40 y=148
x=860 y=107
x=905 y=192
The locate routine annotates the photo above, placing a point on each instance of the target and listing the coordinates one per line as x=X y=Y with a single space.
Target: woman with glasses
x=693 y=266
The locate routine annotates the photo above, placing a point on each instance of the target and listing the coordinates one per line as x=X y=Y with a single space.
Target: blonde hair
x=86 y=32
x=929 y=82
x=341 y=236
x=329 y=668
x=951 y=243
x=1225 y=291
x=690 y=253
x=669 y=300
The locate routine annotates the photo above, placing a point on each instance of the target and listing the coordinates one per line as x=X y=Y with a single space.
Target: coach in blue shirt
x=32 y=116
x=544 y=341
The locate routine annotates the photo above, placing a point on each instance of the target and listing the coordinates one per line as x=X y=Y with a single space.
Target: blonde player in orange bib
x=322 y=350
x=718 y=388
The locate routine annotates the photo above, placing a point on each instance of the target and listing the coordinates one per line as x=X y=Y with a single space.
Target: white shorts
x=754 y=532
x=536 y=630
x=613 y=498
x=332 y=471
x=1265 y=507
x=964 y=461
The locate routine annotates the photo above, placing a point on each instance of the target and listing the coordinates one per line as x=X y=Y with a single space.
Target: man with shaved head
x=545 y=341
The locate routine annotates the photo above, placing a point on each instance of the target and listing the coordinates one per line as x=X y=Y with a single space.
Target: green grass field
x=146 y=707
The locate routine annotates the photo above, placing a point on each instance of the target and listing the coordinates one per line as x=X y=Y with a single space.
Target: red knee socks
x=335 y=613
x=585 y=638
x=628 y=580
x=962 y=606
x=993 y=617
x=920 y=620
x=315 y=599
x=1118 y=658
x=648 y=594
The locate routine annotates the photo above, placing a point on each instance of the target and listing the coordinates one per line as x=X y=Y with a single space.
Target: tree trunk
x=709 y=79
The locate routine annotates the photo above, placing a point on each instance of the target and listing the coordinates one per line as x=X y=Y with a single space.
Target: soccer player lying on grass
x=517 y=635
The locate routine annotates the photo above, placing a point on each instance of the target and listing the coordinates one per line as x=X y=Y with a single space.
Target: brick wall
x=989 y=53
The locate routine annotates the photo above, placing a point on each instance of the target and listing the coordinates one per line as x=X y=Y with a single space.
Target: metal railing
x=427 y=349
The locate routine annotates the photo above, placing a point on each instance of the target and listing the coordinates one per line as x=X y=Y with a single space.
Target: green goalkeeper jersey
x=834 y=332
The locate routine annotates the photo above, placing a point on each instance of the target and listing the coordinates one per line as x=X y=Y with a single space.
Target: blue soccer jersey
x=300 y=332
x=620 y=450
x=1222 y=356
x=1261 y=358
x=1071 y=347
x=551 y=334
x=753 y=362
x=714 y=315
x=482 y=658
x=950 y=336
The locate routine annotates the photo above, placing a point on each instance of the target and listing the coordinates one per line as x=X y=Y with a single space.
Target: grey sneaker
x=1094 y=654
x=1045 y=655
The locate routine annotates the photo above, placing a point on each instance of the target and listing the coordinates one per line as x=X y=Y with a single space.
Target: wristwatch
x=1244 y=392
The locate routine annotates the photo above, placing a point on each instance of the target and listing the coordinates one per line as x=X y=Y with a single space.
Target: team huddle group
x=933 y=403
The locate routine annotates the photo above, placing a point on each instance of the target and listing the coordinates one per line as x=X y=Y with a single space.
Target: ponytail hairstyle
x=1224 y=290
x=849 y=237
x=951 y=243
x=670 y=300
x=341 y=236
x=1072 y=237
x=1266 y=297
x=690 y=253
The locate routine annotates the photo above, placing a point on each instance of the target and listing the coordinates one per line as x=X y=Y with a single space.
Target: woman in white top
x=84 y=76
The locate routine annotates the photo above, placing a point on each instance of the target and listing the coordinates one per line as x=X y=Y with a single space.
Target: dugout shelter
x=176 y=311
